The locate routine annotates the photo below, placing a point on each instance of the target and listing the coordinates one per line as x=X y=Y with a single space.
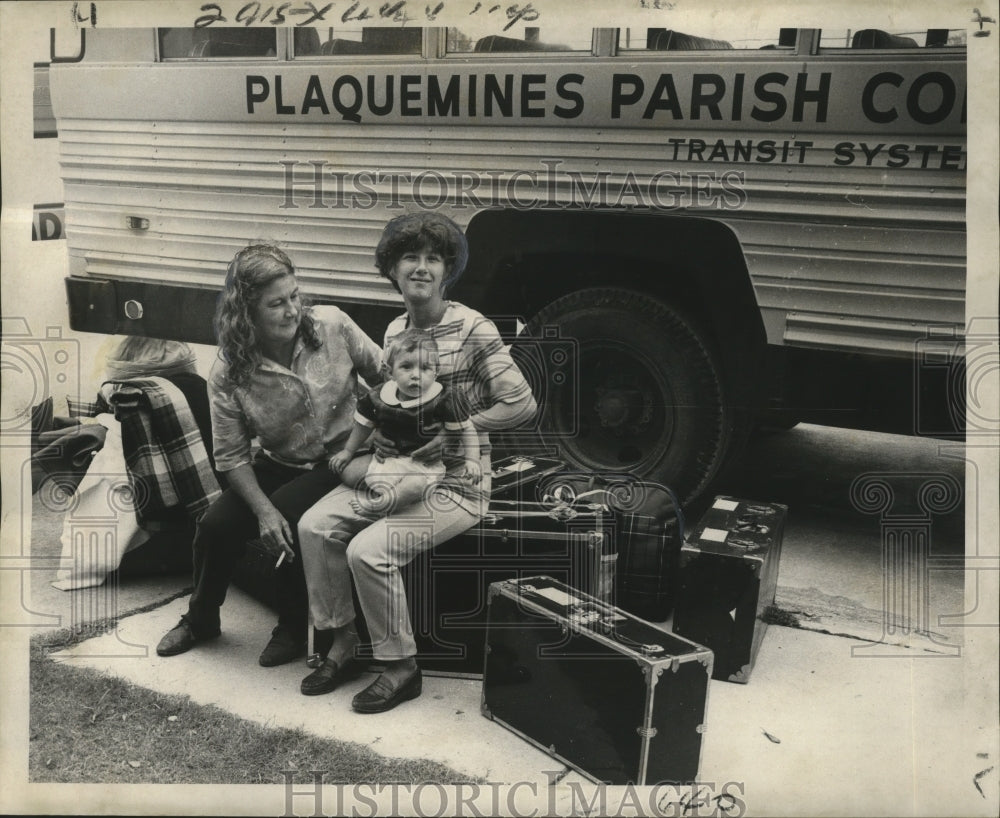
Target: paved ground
x=824 y=727
x=879 y=724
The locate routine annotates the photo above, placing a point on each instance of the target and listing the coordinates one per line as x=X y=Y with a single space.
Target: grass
x=86 y=727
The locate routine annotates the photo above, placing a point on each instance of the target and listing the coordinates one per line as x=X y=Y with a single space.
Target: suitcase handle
x=603 y=493
x=678 y=511
x=645 y=648
x=598 y=615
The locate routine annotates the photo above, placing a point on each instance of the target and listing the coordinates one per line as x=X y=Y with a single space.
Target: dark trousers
x=223 y=532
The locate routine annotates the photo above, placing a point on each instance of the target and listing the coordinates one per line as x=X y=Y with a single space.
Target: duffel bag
x=649 y=528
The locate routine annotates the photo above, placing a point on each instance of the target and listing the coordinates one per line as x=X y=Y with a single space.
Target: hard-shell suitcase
x=255 y=573
x=619 y=699
x=447 y=586
x=514 y=477
x=727 y=579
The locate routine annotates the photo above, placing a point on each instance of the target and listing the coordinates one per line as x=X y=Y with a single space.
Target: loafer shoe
x=284 y=647
x=183 y=636
x=380 y=695
x=328 y=675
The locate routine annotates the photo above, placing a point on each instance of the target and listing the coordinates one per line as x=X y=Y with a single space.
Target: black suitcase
x=256 y=574
x=619 y=699
x=521 y=536
x=514 y=477
x=649 y=530
x=727 y=579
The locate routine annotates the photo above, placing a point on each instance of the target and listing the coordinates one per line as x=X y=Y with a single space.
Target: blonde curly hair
x=250 y=271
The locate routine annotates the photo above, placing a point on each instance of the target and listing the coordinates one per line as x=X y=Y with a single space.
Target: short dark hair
x=413 y=231
x=410 y=340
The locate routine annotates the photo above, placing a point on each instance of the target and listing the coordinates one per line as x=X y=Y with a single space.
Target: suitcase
x=649 y=524
x=446 y=587
x=255 y=573
x=618 y=699
x=727 y=578
x=514 y=477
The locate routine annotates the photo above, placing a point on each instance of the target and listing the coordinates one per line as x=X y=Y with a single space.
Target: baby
x=409 y=409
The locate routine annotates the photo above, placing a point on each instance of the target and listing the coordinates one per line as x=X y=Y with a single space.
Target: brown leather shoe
x=328 y=675
x=183 y=636
x=380 y=695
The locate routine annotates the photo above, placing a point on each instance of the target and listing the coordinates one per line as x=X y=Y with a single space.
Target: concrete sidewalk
x=830 y=724
x=816 y=731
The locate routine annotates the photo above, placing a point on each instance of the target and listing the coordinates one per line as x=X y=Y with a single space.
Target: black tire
x=646 y=396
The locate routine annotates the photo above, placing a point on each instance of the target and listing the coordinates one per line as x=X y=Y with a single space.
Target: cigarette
x=281 y=559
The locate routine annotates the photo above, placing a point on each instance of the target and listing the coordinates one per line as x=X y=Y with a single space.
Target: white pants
x=337 y=542
x=393 y=470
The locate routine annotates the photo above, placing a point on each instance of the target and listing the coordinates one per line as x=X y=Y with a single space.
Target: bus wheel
x=645 y=396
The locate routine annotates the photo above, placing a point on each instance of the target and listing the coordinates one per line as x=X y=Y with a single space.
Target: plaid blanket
x=79 y=408
x=167 y=461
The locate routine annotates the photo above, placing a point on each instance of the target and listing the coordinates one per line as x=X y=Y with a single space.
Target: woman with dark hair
x=287 y=376
x=422 y=254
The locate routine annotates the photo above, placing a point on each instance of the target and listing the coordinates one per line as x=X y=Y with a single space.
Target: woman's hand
x=432 y=450
x=275 y=532
x=383 y=446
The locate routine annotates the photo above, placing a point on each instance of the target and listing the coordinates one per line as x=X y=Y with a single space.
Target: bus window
x=324 y=41
x=307 y=41
x=873 y=38
x=533 y=40
x=666 y=39
x=208 y=43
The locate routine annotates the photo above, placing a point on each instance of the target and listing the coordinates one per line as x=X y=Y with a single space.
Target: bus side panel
x=853 y=239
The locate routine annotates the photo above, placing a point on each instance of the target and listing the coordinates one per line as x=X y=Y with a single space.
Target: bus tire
x=645 y=396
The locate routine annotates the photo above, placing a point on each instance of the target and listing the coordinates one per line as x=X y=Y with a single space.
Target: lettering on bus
x=900 y=155
x=708 y=92
x=47 y=222
x=490 y=95
x=913 y=98
x=627 y=98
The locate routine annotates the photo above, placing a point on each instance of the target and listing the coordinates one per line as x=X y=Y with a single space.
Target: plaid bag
x=649 y=525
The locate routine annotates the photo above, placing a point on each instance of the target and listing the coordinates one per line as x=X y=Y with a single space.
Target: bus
x=684 y=233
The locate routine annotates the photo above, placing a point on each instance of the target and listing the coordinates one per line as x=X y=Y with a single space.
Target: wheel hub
x=626 y=417
x=622 y=410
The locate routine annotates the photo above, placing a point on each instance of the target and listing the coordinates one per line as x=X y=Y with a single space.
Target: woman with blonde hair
x=287 y=376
